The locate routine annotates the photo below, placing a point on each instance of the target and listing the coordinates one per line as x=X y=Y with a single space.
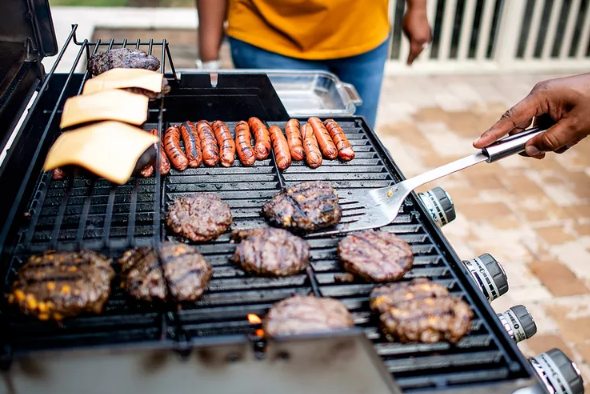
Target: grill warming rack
x=83 y=211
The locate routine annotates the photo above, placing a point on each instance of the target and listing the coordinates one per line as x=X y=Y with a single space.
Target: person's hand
x=415 y=27
x=564 y=103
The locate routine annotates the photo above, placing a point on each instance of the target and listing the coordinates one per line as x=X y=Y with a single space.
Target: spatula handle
x=510 y=145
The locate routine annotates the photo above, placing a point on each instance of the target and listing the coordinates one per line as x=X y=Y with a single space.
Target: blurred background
x=468 y=35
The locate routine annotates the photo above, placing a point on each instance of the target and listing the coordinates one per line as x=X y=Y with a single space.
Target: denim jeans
x=364 y=71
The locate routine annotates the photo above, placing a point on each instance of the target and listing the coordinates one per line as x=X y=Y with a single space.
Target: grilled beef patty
x=297 y=315
x=54 y=285
x=376 y=256
x=421 y=311
x=121 y=58
x=306 y=206
x=185 y=268
x=199 y=217
x=270 y=251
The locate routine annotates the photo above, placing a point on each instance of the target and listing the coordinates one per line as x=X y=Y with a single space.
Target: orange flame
x=254 y=319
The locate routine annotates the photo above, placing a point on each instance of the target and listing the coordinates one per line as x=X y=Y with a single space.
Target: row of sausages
x=213 y=143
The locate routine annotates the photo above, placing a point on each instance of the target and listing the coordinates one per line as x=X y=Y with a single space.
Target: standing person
x=346 y=37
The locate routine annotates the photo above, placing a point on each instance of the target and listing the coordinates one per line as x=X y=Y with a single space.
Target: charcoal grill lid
x=26 y=37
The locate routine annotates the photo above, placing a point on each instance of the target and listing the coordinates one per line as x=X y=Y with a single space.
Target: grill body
x=85 y=212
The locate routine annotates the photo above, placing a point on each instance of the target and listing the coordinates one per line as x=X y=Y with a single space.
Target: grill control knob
x=489 y=276
x=439 y=205
x=559 y=374
x=518 y=322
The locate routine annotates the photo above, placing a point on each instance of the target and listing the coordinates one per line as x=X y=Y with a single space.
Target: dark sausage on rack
x=226 y=143
x=244 y=143
x=262 y=137
x=192 y=143
x=164 y=162
x=172 y=147
x=345 y=151
x=313 y=156
x=208 y=143
x=294 y=139
x=324 y=140
x=58 y=174
x=281 y=148
x=147 y=171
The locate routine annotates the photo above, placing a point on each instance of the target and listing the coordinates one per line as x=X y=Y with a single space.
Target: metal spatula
x=375 y=208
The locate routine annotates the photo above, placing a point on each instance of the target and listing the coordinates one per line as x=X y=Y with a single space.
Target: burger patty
x=186 y=270
x=421 y=311
x=376 y=256
x=306 y=206
x=121 y=58
x=54 y=285
x=300 y=314
x=199 y=217
x=270 y=251
x=384 y=297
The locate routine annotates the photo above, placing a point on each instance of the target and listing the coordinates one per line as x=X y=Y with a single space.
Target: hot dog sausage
x=281 y=148
x=226 y=143
x=58 y=174
x=208 y=143
x=262 y=137
x=345 y=151
x=172 y=148
x=313 y=156
x=324 y=140
x=147 y=171
x=244 y=143
x=294 y=139
x=164 y=162
x=192 y=144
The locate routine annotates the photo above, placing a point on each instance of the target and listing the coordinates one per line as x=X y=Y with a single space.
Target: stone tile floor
x=532 y=215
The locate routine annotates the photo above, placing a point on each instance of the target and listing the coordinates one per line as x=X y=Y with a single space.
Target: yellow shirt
x=310 y=29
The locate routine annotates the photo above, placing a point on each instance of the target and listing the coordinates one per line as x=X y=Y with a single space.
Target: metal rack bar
x=60 y=214
x=84 y=215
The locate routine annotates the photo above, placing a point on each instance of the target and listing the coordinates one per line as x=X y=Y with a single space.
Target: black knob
x=446 y=203
x=439 y=205
x=489 y=275
x=558 y=372
x=526 y=320
x=518 y=322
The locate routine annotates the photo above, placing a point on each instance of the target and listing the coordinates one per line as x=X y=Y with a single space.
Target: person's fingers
x=416 y=48
x=557 y=136
x=539 y=156
x=519 y=116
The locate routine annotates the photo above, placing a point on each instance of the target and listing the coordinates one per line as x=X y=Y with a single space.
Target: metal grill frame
x=170 y=324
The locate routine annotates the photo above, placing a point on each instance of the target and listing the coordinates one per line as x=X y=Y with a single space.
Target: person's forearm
x=416 y=5
x=212 y=15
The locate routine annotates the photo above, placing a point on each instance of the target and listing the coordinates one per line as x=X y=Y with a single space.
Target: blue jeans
x=364 y=71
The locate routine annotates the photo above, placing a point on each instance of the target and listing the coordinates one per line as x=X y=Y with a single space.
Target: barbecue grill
x=211 y=340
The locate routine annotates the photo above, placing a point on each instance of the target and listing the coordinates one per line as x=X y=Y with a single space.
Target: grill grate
x=93 y=213
x=85 y=212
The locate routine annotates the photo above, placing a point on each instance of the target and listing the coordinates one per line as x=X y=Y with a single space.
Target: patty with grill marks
x=376 y=256
x=297 y=315
x=421 y=311
x=306 y=206
x=270 y=251
x=185 y=269
x=199 y=217
x=54 y=285
x=121 y=58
